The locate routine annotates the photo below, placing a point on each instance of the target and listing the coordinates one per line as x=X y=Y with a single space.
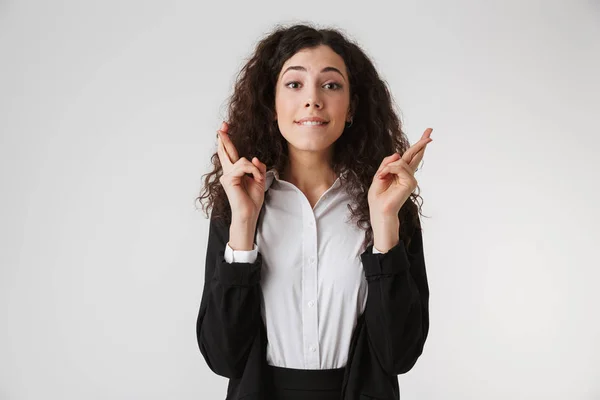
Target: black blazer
x=387 y=340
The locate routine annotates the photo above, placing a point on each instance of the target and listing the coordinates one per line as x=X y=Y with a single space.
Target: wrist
x=386 y=232
x=384 y=220
x=241 y=235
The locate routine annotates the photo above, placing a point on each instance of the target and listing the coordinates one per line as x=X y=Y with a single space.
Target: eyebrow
x=301 y=68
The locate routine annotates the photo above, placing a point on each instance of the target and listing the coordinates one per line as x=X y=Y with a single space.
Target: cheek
x=284 y=107
x=342 y=104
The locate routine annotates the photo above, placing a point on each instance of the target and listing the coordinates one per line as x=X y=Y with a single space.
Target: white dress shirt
x=312 y=280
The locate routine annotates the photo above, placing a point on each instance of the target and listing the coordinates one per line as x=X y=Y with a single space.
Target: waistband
x=307 y=379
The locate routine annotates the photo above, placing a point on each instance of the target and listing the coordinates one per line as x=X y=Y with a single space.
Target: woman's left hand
x=394 y=181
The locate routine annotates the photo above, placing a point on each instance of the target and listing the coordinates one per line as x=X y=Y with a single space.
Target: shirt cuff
x=241 y=256
x=392 y=262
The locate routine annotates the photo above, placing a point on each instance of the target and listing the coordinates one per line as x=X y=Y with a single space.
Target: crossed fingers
x=410 y=159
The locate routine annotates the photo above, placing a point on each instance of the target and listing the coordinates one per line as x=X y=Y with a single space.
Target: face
x=312 y=86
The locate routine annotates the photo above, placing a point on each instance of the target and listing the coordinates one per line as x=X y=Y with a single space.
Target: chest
x=311 y=253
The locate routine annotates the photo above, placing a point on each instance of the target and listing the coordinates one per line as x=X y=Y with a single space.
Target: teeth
x=312 y=123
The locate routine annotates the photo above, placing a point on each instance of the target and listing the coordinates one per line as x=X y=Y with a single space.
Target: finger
x=223 y=156
x=243 y=167
x=415 y=148
x=396 y=168
x=261 y=166
x=389 y=159
x=228 y=144
x=414 y=164
x=427 y=133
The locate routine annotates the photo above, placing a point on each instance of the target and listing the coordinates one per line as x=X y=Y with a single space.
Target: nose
x=314 y=100
x=316 y=104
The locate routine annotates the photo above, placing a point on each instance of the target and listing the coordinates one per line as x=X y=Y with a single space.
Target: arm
x=397 y=310
x=229 y=316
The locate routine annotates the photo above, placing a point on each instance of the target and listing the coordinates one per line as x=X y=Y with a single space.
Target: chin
x=311 y=143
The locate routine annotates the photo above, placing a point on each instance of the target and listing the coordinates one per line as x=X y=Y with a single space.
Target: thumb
x=262 y=167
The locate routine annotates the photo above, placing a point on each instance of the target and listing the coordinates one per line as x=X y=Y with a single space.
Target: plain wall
x=108 y=113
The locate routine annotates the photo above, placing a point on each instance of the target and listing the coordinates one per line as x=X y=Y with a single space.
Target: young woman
x=315 y=284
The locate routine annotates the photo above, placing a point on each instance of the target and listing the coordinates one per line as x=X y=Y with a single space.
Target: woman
x=315 y=284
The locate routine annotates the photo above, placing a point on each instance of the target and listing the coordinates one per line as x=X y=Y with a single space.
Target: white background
x=108 y=112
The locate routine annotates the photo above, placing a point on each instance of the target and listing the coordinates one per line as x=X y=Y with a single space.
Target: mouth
x=311 y=124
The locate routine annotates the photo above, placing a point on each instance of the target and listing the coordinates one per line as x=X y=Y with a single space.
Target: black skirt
x=305 y=384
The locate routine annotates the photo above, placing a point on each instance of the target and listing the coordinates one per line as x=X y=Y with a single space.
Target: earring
x=351 y=122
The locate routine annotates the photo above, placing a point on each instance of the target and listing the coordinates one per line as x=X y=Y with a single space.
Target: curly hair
x=375 y=133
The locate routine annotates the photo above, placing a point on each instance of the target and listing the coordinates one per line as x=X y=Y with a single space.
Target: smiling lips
x=312 y=121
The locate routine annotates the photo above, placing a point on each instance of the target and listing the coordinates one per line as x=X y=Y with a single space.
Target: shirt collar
x=273 y=175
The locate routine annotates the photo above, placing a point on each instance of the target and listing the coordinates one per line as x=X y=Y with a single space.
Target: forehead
x=316 y=58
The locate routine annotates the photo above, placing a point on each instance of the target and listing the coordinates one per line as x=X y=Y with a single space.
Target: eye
x=333 y=85
x=292 y=83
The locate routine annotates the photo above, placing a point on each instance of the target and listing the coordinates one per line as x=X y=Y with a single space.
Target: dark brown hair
x=375 y=133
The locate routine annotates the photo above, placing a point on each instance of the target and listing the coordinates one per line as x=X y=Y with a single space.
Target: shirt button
x=313 y=348
x=312 y=260
x=311 y=223
x=311 y=303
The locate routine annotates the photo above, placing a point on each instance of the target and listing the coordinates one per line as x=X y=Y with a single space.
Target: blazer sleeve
x=229 y=316
x=397 y=309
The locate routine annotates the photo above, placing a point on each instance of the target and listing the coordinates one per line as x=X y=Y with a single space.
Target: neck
x=309 y=171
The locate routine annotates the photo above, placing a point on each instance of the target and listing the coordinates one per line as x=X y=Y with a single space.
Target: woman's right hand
x=246 y=194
